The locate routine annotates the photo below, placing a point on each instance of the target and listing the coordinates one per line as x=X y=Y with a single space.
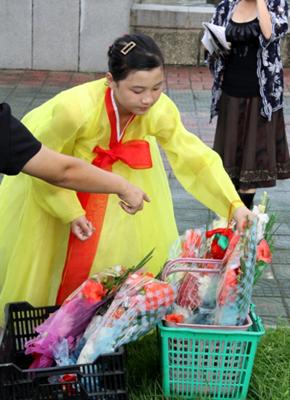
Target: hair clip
x=127 y=48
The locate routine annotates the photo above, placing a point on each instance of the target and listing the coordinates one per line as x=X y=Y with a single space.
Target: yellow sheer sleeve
x=56 y=124
x=198 y=168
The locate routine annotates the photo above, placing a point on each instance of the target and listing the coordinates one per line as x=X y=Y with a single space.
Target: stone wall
x=177 y=29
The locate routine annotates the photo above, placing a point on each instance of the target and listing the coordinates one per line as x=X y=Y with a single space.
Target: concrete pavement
x=190 y=89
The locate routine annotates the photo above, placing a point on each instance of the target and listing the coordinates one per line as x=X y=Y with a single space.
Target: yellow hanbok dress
x=35 y=216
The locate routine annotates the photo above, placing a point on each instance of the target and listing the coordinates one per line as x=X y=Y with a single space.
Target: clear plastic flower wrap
x=191 y=244
x=140 y=303
x=196 y=292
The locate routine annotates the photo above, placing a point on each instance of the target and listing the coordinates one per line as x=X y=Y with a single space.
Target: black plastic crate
x=105 y=379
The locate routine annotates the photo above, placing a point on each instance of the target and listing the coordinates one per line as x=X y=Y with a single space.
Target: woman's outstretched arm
x=74 y=173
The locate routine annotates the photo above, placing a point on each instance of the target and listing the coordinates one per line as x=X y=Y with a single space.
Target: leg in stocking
x=247 y=199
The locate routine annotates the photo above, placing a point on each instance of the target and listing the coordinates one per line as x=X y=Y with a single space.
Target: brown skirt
x=254 y=151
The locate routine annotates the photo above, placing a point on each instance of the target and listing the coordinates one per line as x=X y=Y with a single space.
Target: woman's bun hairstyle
x=133 y=53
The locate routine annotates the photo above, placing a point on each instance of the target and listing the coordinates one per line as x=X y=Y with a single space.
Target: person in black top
x=247 y=94
x=17 y=144
x=20 y=151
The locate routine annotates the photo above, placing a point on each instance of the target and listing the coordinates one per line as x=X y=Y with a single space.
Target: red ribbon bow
x=134 y=153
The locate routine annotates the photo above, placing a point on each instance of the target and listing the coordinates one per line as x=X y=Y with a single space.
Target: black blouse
x=17 y=144
x=240 y=75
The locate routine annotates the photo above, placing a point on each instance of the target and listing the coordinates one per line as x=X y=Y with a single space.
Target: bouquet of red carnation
x=246 y=265
x=68 y=323
x=140 y=303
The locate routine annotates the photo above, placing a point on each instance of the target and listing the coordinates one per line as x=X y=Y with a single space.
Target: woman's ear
x=109 y=79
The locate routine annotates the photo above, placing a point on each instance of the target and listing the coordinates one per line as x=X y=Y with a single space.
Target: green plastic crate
x=208 y=364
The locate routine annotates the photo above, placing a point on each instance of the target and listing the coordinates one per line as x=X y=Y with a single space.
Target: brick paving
x=190 y=89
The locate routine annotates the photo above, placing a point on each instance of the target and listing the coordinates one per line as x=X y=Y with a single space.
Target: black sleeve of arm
x=17 y=144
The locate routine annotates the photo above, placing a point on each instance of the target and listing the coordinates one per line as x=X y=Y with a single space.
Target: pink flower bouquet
x=69 y=321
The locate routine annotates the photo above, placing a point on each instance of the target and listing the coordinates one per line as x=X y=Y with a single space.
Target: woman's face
x=138 y=92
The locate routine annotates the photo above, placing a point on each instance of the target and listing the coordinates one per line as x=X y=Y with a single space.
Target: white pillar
x=55 y=34
x=15 y=33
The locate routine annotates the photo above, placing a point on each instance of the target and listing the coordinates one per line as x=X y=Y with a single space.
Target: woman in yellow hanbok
x=115 y=123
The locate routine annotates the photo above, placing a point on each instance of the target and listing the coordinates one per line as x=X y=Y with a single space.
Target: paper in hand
x=214 y=38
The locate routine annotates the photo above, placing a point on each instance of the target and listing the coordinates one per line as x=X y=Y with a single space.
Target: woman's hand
x=82 y=228
x=241 y=216
x=132 y=199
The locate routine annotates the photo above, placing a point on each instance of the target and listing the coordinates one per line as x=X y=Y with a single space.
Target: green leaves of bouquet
x=113 y=283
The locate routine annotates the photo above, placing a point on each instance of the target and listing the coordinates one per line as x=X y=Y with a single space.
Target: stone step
x=175 y=25
x=172 y=2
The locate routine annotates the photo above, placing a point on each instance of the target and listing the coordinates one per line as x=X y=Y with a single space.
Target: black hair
x=143 y=54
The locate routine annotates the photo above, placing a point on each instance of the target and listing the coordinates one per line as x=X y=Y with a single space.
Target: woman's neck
x=245 y=11
x=124 y=115
x=125 y=121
